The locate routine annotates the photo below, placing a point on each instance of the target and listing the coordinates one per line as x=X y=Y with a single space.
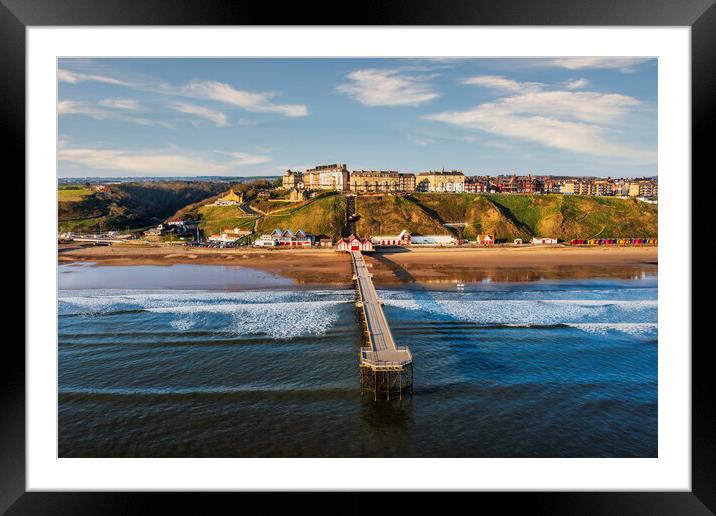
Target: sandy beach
x=422 y=265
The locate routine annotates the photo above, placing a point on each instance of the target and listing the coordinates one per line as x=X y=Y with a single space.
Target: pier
x=385 y=369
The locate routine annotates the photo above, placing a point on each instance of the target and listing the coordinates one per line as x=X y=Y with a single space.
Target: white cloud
x=261 y=102
x=82 y=108
x=64 y=75
x=256 y=102
x=120 y=103
x=576 y=84
x=624 y=64
x=242 y=159
x=373 y=87
x=73 y=107
x=566 y=120
x=217 y=117
x=157 y=162
x=501 y=83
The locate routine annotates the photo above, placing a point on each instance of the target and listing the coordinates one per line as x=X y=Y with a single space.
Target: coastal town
x=338 y=177
x=300 y=187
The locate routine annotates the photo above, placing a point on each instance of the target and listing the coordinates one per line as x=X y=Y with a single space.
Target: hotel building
x=452 y=181
x=327 y=177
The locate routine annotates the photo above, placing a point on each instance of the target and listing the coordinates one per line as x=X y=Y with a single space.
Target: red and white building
x=485 y=240
x=353 y=243
x=402 y=239
x=544 y=240
x=288 y=238
x=237 y=231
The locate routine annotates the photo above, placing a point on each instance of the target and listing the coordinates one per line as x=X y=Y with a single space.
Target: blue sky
x=252 y=117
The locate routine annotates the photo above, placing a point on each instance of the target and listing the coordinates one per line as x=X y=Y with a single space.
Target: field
x=73 y=193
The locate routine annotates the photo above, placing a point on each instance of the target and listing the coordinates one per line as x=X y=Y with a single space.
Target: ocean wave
x=629 y=328
x=522 y=312
x=98 y=301
x=276 y=320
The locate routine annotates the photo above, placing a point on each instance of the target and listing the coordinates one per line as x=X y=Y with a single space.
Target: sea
x=214 y=361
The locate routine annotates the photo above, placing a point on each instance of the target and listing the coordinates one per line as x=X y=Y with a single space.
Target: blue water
x=559 y=368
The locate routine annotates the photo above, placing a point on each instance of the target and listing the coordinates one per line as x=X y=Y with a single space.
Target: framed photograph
x=452 y=246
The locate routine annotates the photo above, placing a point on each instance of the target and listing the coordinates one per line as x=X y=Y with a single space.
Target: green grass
x=73 y=193
x=324 y=215
x=87 y=225
x=389 y=215
x=215 y=218
x=522 y=216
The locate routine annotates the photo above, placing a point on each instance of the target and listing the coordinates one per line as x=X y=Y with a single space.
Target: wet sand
x=417 y=265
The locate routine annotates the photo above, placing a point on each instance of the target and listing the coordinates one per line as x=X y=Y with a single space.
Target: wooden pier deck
x=385 y=367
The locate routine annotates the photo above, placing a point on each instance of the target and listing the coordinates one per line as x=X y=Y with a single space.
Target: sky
x=587 y=116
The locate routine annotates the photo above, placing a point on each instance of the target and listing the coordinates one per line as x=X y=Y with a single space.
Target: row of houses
x=338 y=177
x=529 y=184
x=230 y=235
x=614 y=241
x=285 y=238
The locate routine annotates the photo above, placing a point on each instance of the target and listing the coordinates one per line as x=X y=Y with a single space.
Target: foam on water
x=629 y=328
x=522 y=312
x=277 y=314
x=277 y=320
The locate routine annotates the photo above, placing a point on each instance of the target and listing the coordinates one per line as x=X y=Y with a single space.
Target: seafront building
x=544 y=240
x=292 y=179
x=326 y=177
x=353 y=243
x=440 y=181
x=285 y=238
x=337 y=177
x=381 y=181
x=433 y=240
x=230 y=235
x=402 y=239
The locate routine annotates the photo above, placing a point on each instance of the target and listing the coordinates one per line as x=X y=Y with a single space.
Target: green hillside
x=131 y=205
x=215 y=218
x=576 y=216
x=509 y=216
x=506 y=217
x=481 y=215
x=389 y=214
x=324 y=215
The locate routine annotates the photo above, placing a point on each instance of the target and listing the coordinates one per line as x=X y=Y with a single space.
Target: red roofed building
x=353 y=243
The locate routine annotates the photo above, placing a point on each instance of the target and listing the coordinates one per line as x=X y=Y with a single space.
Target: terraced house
x=440 y=181
x=327 y=177
x=383 y=181
x=287 y=237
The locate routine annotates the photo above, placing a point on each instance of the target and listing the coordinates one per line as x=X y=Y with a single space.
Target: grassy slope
x=267 y=206
x=133 y=205
x=387 y=214
x=481 y=215
x=504 y=216
x=570 y=216
x=322 y=216
x=216 y=218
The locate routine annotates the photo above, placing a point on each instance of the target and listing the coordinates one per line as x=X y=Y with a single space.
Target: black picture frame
x=700 y=15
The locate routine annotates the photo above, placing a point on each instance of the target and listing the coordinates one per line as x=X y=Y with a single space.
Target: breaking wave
x=276 y=314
